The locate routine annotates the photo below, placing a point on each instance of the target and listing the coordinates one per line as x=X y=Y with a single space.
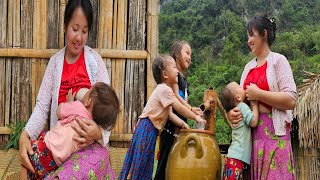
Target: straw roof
x=307 y=111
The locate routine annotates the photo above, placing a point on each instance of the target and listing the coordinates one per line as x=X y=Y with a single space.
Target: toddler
x=142 y=156
x=239 y=151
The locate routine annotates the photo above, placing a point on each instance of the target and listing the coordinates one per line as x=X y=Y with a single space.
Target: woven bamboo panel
x=9 y=165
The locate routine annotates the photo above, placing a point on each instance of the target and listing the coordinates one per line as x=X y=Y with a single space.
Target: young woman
x=268 y=78
x=75 y=66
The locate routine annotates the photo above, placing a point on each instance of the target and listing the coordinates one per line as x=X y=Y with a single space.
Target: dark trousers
x=166 y=143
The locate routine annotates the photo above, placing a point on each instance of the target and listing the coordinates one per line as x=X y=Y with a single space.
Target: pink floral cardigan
x=49 y=90
x=280 y=79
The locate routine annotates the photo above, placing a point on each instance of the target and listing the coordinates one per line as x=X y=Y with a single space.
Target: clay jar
x=194 y=155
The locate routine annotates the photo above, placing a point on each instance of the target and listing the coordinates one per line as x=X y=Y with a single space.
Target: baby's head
x=104 y=104
x=164 y=70
x=232 y=95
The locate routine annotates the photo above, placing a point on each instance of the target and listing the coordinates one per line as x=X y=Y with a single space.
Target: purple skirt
x=272 y=156
x=92 y=162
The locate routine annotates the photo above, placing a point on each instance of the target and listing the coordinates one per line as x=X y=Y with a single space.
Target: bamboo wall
x=125 y=33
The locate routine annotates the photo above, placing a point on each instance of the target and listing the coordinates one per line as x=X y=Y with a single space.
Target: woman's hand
x=25 y=150
x=88 y=130
x=252 y=92
x=197 y=111
x=234 y=116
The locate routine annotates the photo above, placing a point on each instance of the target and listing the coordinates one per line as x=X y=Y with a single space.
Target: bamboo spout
x=209 y=108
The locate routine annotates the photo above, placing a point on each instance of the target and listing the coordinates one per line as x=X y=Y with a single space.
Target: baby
x=52 y=148
x=239 y=152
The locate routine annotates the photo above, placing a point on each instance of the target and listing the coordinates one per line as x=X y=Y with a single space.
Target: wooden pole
x=47 y=53
x=61 y=24
x=153 y=39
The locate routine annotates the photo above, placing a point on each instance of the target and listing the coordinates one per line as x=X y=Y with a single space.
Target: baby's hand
x=70 y=96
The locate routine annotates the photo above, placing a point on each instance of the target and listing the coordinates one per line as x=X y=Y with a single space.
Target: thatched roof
x=307 y=111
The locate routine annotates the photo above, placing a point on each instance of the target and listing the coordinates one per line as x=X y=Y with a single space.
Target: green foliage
x=216 y=32
x=15 y=132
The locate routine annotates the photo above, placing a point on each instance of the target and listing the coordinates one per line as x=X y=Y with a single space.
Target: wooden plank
x=62 y=6
x=47 y=53
x=53 y=25
x=43 y=24
x=3 y=44
x=152 y=41
x=4 y=130
x=120 y=137
x=120 y=64
x=3 y=23
x=25 y=68
x=2 y=92
x=92 y=39
x=135 y=70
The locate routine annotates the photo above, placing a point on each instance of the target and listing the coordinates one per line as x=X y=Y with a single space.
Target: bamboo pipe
x=47 y=53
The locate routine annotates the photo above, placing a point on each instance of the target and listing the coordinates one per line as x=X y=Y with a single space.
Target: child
x=239 y=151
x=141 y=158
x=53 y=147
x=181 y=53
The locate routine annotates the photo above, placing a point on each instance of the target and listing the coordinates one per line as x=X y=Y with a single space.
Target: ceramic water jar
x=194 y=155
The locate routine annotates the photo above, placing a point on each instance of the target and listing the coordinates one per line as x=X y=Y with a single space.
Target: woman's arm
x=88 y=130
x=25 y=150
x=234 y=116
x=37 y=120
x=38 y=117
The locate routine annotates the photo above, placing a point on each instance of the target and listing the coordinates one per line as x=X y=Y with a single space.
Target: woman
x=268 y=78
x=75 y=66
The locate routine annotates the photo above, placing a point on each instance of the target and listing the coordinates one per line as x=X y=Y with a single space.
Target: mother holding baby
x=268 y=79
x=75 y=66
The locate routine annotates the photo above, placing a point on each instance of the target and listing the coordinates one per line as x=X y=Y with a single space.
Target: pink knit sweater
x=280 y=79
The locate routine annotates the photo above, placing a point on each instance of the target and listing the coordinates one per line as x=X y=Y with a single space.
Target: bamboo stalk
x=61 y=24
x=10 y=22
x=4 y=130
x=120 y=137
x=16 y=24
x=3 y=23
x=153 y=39
x=47 y=53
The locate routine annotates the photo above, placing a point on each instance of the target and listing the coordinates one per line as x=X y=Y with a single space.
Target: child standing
x=140 y=160
x=181 y=53
x=52 y=148
x=239 y=152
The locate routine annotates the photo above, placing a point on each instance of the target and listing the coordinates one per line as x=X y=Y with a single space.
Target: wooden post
x=61 y=23
x=152 y=42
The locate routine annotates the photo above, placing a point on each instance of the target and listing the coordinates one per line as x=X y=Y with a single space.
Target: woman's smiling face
x=255 y=42
x=76 y=34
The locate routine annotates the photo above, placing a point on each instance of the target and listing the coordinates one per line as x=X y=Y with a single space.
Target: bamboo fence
x=125 y=33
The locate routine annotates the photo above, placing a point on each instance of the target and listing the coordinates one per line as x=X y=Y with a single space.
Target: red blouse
x=258 y=76
x=74 y=76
